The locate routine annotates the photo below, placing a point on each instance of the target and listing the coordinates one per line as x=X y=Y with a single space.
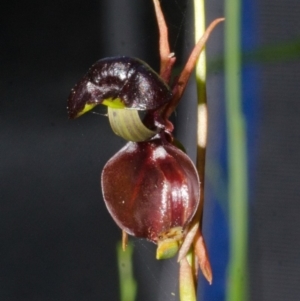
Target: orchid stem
x=200 y=70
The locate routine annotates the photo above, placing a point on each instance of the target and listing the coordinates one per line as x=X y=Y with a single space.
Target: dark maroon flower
x=150 y=187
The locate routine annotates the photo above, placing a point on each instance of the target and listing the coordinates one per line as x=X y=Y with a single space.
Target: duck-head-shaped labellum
x=151 y=188
x=120 y=82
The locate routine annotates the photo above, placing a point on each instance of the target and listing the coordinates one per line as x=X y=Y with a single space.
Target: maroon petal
x=150 y=187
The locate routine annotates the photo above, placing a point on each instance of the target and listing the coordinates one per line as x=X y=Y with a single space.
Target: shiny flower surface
x=150 y=187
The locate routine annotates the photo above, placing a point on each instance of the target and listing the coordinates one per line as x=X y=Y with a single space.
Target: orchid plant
x=150 y=187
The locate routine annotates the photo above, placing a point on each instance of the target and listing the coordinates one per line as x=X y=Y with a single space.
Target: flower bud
x=151 y=188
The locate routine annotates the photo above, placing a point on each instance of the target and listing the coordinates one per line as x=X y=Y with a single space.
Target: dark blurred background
x=58 y=241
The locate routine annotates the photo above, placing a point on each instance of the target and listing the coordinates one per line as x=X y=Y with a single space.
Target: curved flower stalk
x=150 y=187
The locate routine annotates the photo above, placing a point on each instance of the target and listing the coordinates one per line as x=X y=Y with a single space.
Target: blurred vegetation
x=281 y=52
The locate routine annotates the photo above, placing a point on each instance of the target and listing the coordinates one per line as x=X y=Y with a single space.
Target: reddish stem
x=188 y=69
x=167 y=59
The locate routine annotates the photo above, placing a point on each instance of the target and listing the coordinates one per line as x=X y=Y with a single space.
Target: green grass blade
x=128 y=285
x=237 y=156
